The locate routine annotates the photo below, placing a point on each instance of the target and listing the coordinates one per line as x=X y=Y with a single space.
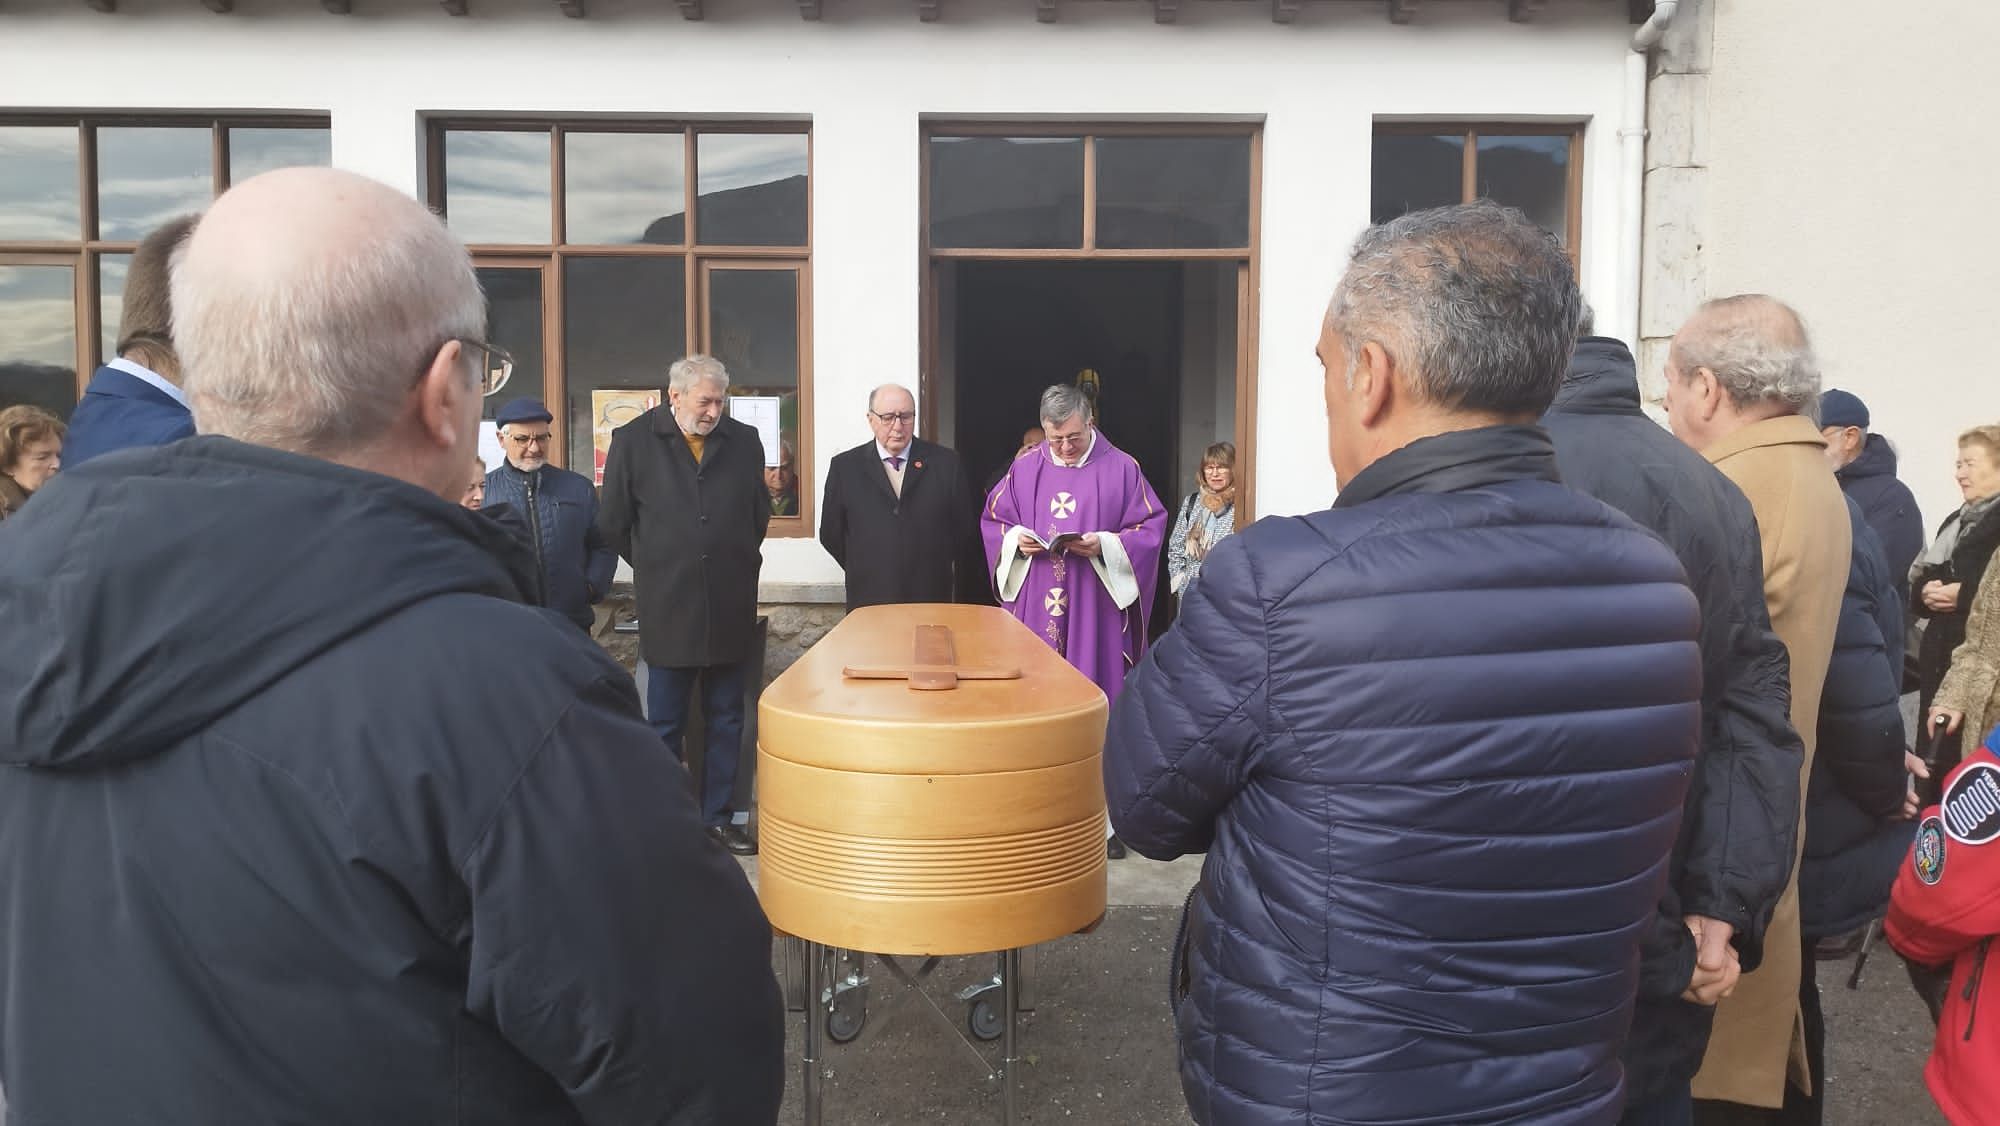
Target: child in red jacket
x=1946 y=908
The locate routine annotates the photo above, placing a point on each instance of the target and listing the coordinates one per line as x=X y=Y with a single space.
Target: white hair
x=690 y=370
x=1759 y=350
x=320 y=361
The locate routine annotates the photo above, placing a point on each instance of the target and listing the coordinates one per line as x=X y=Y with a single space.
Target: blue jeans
x=667 y=695
x=1670 y=1108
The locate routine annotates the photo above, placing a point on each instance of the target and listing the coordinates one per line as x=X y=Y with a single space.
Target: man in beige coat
x=1741 y=381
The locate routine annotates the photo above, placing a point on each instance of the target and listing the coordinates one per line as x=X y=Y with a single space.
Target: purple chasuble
x=1095 y=618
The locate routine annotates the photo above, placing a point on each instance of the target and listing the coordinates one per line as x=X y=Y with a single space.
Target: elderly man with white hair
x=309 y=817
x=1742 y=384
x=685 y=503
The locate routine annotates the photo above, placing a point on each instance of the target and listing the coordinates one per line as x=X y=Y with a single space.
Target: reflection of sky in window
x=615 y=185
x=38 y=315
x=736 y=160
x=111 y=271
x=38 y=190
x=497 y=186
x=146 y=176
x=255 y=151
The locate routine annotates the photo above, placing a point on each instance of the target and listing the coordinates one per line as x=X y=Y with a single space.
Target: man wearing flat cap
x=574 y=564
x=1865 y=465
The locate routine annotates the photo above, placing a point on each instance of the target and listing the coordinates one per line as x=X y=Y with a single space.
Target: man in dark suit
x=684 y=503
x=136 y=399
x=898 y=513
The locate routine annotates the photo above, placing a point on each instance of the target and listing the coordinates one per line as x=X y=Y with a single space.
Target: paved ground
x=1099 y=1046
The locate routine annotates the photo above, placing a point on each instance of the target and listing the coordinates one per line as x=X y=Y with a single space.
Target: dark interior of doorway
x=1021 y=326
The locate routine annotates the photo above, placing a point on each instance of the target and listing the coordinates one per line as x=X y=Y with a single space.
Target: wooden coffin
x=904 y=821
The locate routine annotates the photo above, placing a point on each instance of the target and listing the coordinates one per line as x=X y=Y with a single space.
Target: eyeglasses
x=1068 y=441
x=525 y=440
x=498 y=367
x=904 y=417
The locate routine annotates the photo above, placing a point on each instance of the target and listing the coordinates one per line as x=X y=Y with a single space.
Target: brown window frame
x=696 y=257
x=1247 y=258
x=85 y=255
x=1469 y=133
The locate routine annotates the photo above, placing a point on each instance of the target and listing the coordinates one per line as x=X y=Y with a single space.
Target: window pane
x=38 y=337
x=753 y=189
x=624 y=321
x=1411 y=173
x=1007 y=192
x=111 y=269
x=255 y=151
x=1531 y=173
x=624 y=187
x=496 y=187
x=1173 y=191
x=514 y=322
x=39 y=188
x=146 y=176
x=753 y=328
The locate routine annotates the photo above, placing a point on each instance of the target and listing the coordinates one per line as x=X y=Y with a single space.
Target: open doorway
x=1160 y=334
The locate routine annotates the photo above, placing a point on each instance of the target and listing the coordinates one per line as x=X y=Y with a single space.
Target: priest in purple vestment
x=1088 y=599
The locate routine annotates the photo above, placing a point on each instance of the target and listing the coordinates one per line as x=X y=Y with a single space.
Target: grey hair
x=322 y=361
x=687 y=371
x=1475 y=303
x=872 y=395
x=1064 y=401
x=1758 y=348
x=1586 y=322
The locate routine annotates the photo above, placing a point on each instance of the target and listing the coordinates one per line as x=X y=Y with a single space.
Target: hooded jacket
x=1888 y=505
x=1734 y=853
x=304 y=818
x=1434 y=741
x=1855 y=835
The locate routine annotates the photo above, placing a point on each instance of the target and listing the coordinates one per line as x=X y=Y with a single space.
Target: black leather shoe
x=1114 y=848
x=733 y=838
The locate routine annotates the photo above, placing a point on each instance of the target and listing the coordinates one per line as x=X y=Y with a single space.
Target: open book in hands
x=1062 y=542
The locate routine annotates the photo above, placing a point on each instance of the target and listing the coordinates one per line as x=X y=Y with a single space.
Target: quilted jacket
x=1434 y=741
x=1735 y=848
x=1855 y=835
x=576 y=564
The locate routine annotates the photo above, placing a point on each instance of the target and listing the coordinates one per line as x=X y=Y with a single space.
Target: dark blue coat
x=1435 y=742
x=1740 y=830
x=303 y=818
x=575 y=563
x=1888 y=506
x=119 y=411
x=1855 y=837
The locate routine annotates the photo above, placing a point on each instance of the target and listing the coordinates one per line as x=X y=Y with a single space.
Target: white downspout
x=1632 y=139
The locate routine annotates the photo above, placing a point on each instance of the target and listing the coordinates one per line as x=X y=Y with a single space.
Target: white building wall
x=866 y=76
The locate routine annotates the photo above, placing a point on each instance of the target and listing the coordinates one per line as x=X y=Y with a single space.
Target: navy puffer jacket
x=560 y=510
x=1435 y=741
x=1855 y=836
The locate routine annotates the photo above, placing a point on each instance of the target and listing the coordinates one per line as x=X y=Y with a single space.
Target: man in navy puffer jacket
x=1434 y=740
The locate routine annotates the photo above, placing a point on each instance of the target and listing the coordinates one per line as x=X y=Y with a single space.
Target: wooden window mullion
x=1469 y=170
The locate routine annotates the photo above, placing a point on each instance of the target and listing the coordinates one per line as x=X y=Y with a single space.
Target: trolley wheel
x=984 y=1020
x=845 y=1022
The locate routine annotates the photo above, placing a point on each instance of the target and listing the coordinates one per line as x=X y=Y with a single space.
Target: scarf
x=1215 y=502
x=1948 y=536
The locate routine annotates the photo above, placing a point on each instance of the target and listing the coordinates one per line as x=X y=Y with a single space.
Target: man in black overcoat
x=898 y=513
x=684 y=502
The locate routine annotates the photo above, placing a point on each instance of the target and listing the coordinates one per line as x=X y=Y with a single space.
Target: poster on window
x=760 y=412
x=610 y=408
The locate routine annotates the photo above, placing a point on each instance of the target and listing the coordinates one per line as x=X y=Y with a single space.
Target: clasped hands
x=1089 y=546
x=1940 y=597
x=1716 y=966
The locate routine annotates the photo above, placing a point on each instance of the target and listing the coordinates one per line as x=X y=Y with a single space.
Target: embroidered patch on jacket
x=1971 y=806
x=1927 y=855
